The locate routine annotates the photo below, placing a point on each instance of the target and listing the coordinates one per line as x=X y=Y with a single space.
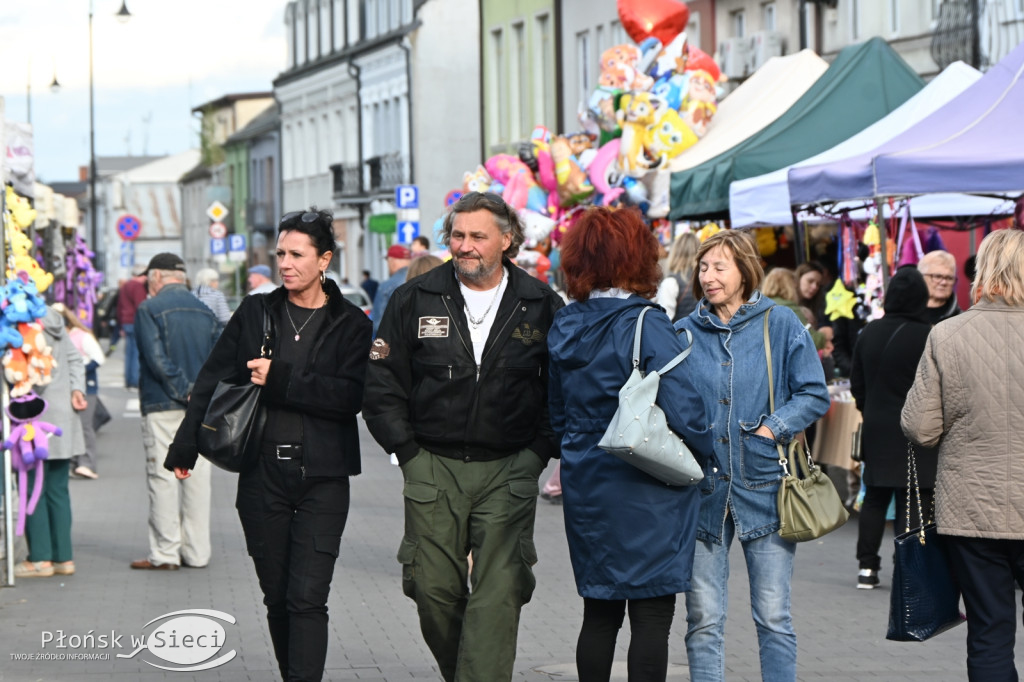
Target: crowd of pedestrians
x=472 y=374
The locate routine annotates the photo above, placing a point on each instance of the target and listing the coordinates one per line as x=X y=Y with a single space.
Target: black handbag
x=925 y=598
x=232 y=427
x=101 y=415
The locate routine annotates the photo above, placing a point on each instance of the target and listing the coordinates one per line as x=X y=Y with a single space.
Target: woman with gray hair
x=208 y=291
x=968 y=399
x=939 y=270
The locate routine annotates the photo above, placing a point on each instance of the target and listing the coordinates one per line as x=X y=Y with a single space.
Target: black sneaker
x=867 y=579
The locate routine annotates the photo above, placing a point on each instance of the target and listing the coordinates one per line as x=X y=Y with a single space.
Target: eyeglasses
x=307 y=216
x=944 y=279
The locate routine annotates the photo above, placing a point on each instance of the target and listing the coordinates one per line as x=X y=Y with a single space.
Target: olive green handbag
x=809 y=505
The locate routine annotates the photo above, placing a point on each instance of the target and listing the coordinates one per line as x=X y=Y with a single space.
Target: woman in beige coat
x=968 y=398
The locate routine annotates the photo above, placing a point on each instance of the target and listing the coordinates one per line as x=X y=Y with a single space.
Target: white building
x=347 y=122
x=150 y=193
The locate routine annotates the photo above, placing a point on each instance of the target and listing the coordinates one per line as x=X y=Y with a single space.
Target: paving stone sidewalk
x=374 y=631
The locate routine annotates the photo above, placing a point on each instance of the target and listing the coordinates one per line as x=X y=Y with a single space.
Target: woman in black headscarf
x=884 y=361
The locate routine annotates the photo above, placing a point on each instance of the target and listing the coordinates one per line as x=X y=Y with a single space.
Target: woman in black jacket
x=884 y=362
x=294 y=502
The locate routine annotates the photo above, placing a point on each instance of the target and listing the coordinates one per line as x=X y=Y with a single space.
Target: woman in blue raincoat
x=631 y=537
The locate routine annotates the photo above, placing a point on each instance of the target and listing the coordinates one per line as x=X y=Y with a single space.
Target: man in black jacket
x=457 y=389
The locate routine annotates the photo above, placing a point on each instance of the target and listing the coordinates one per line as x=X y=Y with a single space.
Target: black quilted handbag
x=925 y=599
x=233 y=424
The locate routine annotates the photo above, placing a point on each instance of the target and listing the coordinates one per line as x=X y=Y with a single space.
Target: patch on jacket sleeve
x=380 y=349
x=433 y=328
x=527 y=334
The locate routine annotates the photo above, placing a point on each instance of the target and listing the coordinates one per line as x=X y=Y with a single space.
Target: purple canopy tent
x=973 y=144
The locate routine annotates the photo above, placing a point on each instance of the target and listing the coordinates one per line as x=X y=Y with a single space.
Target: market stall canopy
x=985 y=156
x=758 y=101
x=863 y=84
x=764 y=199
x=975 y=143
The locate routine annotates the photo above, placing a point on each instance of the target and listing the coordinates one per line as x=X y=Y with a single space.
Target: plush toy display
x=28 y=444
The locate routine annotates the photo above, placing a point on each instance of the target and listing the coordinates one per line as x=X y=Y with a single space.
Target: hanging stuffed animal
x=29 y=446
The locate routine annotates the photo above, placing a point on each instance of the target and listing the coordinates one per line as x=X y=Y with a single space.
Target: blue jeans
x=131 y=357
x=770 y=568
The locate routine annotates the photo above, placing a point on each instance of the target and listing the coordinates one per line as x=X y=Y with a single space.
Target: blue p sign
x=407 y=196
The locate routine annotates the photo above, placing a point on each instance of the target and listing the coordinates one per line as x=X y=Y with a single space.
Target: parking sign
x=407 y=196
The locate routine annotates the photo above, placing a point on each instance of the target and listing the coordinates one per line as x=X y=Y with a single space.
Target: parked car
x=356 y=296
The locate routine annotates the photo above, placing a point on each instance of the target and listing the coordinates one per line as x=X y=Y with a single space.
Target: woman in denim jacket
x=741 y=479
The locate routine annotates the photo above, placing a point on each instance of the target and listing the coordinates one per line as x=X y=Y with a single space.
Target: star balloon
x=839 y=301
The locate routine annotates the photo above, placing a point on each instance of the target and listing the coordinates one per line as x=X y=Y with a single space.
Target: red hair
x=610 y=249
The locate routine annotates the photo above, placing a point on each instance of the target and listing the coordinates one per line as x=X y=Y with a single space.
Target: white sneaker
x=867 y=579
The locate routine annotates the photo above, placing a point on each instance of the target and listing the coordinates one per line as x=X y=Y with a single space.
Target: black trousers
x=649 y=622
x=987 y=571
x=293 y=532
x=871 y=523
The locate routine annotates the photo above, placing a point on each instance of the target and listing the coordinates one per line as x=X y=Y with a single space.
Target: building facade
x=520 y=70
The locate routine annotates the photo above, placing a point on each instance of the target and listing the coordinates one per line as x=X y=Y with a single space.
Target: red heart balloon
x=662 y=19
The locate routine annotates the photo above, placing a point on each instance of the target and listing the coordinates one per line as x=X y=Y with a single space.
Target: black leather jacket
x=328 y=392
x=423 y=386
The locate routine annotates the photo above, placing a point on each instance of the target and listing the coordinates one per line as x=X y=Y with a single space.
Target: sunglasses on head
x=307 y=216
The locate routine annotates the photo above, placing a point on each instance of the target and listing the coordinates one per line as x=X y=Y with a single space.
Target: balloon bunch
x=653 y=101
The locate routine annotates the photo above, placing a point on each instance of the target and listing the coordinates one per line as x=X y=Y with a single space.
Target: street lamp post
x=101 y=261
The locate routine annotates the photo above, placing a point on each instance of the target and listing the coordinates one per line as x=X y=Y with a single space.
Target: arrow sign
x=407 y=231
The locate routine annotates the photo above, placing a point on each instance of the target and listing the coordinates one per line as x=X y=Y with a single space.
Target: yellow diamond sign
x=217 y=211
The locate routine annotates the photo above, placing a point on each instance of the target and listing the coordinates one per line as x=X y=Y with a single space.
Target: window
x=854 y=20
x=618 y=34
x=314 y=148
x=894 y=16
x=496 y=87
x=739 y=24
x=693 y=30
x=600 y=45
x=517 y=81
x=300 y=38
x=337 y=24
x=289 y=27
x=312 y=30
x=383 y=18
x=300 y=151
x=583 y=65
x=325 y=27
x=768 y=16
x=544 y=74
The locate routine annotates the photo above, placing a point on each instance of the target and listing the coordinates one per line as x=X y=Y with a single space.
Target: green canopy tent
x=863 y=84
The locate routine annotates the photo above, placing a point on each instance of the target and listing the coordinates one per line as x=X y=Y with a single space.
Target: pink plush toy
x=28 y=443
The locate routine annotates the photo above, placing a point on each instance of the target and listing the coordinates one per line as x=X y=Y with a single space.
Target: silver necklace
x=299 y=330
x=474 y=332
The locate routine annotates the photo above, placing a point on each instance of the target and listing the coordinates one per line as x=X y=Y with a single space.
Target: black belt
x=283 y=452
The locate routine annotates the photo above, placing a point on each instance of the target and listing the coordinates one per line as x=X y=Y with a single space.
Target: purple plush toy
x=28 y=445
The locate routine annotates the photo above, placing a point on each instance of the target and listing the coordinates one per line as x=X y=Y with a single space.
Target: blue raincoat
x=630 y=535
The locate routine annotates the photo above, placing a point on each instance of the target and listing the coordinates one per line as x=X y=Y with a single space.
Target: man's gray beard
x=477 y=274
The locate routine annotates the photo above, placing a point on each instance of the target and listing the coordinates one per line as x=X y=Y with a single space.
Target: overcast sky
x=170 y=56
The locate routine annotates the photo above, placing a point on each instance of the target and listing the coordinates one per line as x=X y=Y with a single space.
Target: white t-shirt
x=477 y=302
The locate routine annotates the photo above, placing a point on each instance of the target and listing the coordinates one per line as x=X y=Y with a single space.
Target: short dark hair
x=505 y=217
x=315 y=223
x=422 y=240
x=607 y=249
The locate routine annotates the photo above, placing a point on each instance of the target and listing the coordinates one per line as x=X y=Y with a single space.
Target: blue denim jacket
x=175 y=333
x=728 y=361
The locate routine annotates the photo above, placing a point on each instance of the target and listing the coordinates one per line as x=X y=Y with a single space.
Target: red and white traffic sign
x=218 y=230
